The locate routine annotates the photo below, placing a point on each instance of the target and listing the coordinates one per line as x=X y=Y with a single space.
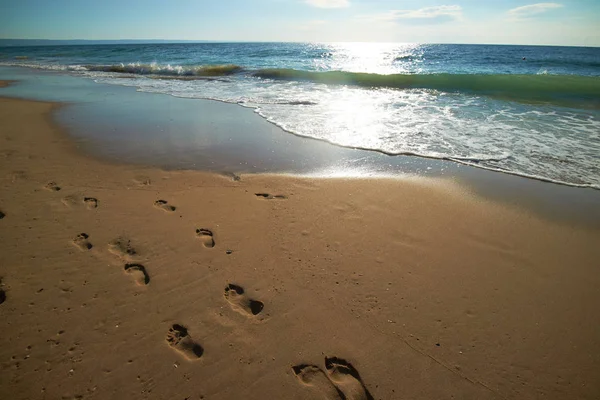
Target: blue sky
x=564 y=22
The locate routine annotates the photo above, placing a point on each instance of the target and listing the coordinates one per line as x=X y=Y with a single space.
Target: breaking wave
x=544 y=88
x=166 y=70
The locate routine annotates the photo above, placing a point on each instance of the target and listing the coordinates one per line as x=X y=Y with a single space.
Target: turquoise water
x=527 y=110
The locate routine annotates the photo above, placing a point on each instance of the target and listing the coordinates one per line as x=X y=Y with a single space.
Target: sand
x=126 y=282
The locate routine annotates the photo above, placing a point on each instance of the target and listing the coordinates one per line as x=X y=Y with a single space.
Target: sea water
x=526 y=110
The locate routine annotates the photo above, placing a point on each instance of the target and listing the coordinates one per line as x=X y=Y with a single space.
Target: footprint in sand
x=2 y=293
x=270 y=197
x=346 y=378
x=313 y=377
x=233 y=176
x=90 y=202
x=206 y=237
x=240 y=303
x=52 y=186
x=179 y=339
x=142 y=180
x=138 y=272
x=73 y=200
x=122 y=247
x=341 y=381
x=162 y=204
x=82 y=242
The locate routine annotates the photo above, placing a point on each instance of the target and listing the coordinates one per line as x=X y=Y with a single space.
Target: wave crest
x=556 y=89
x=166 y=70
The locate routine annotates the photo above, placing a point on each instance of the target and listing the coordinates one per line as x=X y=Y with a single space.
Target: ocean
x=532 y=111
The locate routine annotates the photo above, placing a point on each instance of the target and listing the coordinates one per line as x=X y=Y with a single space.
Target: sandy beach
x=126 y=282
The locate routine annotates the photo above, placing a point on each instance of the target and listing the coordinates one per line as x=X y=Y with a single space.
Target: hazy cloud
x=430 y=12
x=328 y=3
x=434 y=14
x=532 y=9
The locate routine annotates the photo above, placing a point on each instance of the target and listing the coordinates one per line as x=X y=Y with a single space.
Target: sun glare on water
x=374 y=58
x=360 y=111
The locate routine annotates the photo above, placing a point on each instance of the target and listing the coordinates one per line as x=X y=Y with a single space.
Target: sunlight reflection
x=380 y=58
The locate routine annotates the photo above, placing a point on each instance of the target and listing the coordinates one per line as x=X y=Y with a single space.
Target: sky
x=564 y=22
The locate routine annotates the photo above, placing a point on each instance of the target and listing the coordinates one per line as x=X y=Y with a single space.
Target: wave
x=152 y=70
x=166 y=70
x=543 y=88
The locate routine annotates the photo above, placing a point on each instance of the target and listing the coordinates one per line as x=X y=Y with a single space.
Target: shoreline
x=554 y=200
x=427 y=289
x=390 y=159
x=241 y=142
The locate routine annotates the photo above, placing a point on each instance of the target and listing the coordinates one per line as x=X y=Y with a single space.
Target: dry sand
x=122 y=282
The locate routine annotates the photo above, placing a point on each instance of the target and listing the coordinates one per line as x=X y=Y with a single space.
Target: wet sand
x=121 y=281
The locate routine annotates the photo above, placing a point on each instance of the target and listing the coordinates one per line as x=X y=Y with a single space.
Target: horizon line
x=191 y=41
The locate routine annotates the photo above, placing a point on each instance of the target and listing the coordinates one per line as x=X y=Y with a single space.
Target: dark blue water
x=357 y=57
x=526 y=110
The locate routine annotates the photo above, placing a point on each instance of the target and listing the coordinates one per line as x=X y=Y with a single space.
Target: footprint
x=347 y=379
x=206 y=236
x=162 y=204
x=2 y=293
x=270 y=197
x=90 y=202
x=52 y=186
x=179 y=339
x=122 y=247
x=73 y=200
x=138 y=272
x=82 y=241
x=240 y=303
x=313 y=377
x=234 y=177
x=142 y=180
